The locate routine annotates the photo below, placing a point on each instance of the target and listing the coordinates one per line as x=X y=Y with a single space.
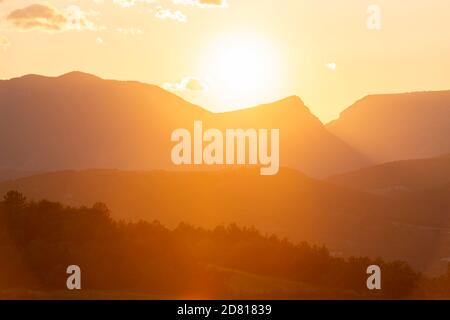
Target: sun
x=244 y=70
x=242 y=67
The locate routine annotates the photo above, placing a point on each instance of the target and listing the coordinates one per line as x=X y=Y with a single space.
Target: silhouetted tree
x=14 y=199
x=38 y=240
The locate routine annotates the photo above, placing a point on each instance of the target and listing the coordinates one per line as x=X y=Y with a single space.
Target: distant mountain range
x=374 y=182
x=79 y=121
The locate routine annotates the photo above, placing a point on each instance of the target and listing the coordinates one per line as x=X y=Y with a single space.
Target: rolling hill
x=289 y=204
x=14 y=174
x=405 y=175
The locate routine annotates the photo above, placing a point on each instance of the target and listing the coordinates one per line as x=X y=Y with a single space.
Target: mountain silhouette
x=65 y=125
x=394 y=127
x=79 y=121
x=14 y=174
x=404 y=175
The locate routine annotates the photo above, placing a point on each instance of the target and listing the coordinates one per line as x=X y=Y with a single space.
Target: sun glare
x=244 y=71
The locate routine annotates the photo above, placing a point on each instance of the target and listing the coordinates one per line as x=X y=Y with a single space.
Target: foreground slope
x=289 y=204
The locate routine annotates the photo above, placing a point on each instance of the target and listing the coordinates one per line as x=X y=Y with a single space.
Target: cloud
x=99 y=41
x=46 y=18
x=203 y=3
x=78 y=19
x=4 y=41
x=187 y=84
x=332 y=66
x=37 y=16
x=164 y=14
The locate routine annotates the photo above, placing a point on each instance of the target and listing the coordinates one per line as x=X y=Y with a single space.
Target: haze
x=231 y=56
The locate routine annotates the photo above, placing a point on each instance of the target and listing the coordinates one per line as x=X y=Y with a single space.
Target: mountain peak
x=78 y=75
x=70 y=75
x=292 y=99
x=293 y=102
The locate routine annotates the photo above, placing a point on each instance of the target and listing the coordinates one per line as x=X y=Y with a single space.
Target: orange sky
x=239 y=53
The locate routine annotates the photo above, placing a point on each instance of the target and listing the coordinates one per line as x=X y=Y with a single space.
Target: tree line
x=39 y=239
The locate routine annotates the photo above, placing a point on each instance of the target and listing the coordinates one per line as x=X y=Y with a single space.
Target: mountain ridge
x=79 y=121
x=398 y=176
x=394 y=127
x=358 y=102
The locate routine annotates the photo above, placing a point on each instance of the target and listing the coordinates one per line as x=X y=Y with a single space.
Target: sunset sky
x=225 y=55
